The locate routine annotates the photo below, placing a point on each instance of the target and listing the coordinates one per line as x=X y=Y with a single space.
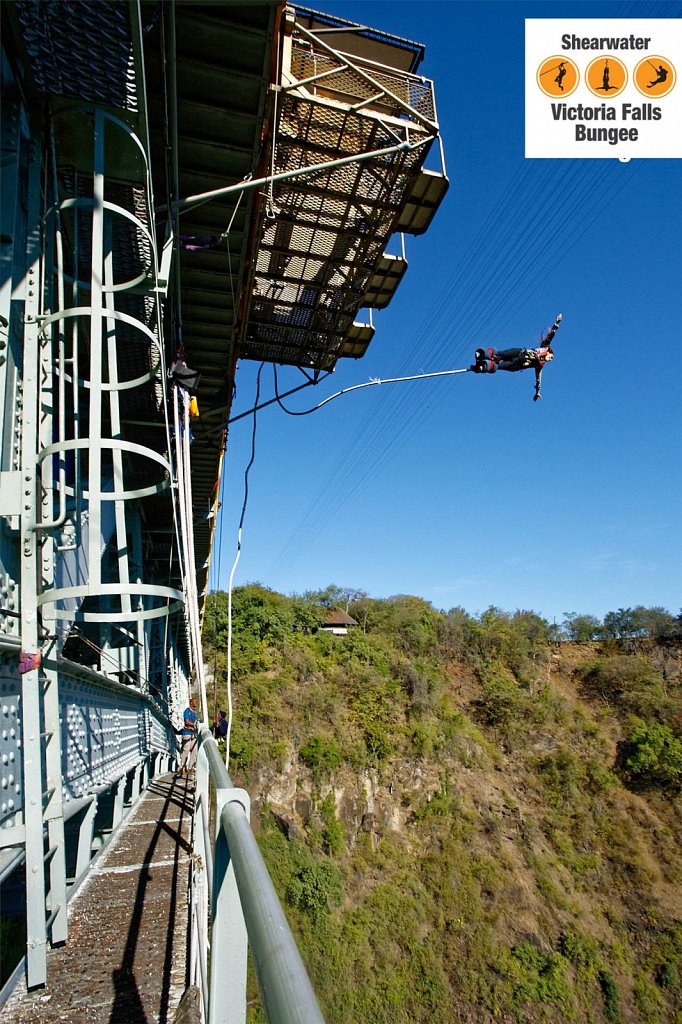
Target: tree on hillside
x=361 y=609
x=581 y=628
x=655 y=622
x=620 y=624
x=333 y=596
x=411 y=619
x=455 y=633
x=519 y=641
x=654 y=754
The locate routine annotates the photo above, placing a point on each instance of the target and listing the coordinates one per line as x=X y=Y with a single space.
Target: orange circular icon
x=655 y=76
x=606 y=76
x=558 y=76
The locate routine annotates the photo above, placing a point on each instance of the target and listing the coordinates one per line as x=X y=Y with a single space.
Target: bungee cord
x=368 y=384
x=214 y=571
x=305 y=412
x=278 y=397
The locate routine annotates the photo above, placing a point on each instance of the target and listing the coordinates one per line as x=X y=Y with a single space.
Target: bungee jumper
x=488 y=360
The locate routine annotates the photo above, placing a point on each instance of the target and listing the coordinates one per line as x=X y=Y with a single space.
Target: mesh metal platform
x=80 y=49
x=324 y=228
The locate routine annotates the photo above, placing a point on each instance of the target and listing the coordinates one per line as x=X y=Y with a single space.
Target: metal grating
x=341 y=80
x=80 y=48
x=323 y=233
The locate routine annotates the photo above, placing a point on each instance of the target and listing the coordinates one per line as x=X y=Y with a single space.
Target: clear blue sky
x=463 y=491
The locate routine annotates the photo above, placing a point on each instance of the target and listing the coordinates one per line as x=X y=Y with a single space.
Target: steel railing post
x=85 y=837
x=118 y=801
x=245 y=905
x=229 y=940
x=54 y=816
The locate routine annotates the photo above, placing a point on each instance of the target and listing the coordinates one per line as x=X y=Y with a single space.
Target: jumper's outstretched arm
x=546 y=342
x=553 y=329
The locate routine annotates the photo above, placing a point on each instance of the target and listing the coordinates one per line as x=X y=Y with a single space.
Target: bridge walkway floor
x=125 y=959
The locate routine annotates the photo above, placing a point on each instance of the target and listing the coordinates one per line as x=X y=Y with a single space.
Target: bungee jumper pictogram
x=557 y=76
x=555 y=68
x=662 y=73
x=560 y=77
x=605 y=84
x=561 y=68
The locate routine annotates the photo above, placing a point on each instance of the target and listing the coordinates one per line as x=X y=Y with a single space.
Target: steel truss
x=94 y=661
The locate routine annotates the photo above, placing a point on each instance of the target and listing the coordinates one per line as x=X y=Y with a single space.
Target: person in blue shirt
x=188 y=755
x=220 y=726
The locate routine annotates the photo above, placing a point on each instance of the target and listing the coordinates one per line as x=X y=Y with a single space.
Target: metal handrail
x=286 y=992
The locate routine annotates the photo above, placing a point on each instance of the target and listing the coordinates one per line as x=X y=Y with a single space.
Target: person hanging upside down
x=488 y=360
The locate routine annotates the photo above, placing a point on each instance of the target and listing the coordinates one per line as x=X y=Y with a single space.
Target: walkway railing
x=233 y=897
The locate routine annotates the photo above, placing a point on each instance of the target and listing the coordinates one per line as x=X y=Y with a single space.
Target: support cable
x=220 y=485
x=234 y=567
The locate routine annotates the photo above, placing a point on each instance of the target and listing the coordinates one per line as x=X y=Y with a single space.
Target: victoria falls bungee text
x=605 y=112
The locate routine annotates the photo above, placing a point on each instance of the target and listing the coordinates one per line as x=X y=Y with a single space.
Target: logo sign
x=603 y=87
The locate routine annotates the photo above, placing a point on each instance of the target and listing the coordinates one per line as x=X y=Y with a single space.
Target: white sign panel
x=603 y=87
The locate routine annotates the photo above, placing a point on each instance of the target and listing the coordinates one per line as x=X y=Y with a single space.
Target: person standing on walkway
x=188 y=755
x=220 y=726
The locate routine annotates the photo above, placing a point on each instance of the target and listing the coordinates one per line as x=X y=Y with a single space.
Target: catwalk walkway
x=125 y=961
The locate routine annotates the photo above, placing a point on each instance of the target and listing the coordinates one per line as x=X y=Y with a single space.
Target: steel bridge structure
x=184 y=185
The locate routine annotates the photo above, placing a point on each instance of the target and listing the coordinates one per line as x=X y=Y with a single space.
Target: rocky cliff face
x=472 y=827
x=365 y=802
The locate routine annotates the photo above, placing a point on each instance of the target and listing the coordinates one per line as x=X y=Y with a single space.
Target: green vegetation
x=322 y=755
x=655 y=753
x=610 y=993
x=486 y=807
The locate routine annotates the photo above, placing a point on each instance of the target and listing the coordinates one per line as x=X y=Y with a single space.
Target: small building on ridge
x=337 y=622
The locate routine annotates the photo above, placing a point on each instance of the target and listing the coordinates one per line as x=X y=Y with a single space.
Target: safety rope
x=194 y=602
x=187 y=554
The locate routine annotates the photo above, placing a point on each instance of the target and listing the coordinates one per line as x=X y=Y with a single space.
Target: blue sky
x=463 y=491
